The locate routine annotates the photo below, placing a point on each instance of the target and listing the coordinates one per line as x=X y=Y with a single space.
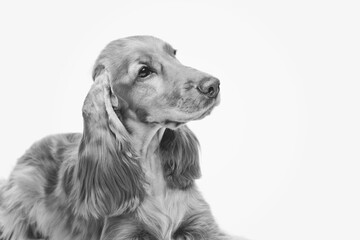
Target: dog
x=130 y=174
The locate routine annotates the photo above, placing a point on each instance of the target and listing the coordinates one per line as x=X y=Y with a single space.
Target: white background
x=280 y=155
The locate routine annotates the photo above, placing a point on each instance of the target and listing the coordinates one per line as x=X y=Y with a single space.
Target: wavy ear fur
x=179 y=150
x=108 y=176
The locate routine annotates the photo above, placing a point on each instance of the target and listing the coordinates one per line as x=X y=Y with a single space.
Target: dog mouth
x=209 y=107
x=208 y=111
x=180 y=115
x=197 y=115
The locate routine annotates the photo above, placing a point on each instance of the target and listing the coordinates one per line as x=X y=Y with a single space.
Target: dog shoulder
x=44 y=158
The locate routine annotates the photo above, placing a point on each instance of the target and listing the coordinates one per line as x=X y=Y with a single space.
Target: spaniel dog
x=130 y=174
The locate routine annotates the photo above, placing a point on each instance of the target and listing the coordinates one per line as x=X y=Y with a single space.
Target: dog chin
x=173 y=124
x=194 y=116
x=206 y=113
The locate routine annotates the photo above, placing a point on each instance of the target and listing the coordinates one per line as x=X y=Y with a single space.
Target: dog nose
x=209 y=86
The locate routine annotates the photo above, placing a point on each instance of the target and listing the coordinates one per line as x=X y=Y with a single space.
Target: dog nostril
x=209 y=87
x=211 y=90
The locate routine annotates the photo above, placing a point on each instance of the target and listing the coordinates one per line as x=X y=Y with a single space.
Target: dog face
x=149 y=80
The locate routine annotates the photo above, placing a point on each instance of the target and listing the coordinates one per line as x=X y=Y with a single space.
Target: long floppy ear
x=179 y=150
x=108 y=177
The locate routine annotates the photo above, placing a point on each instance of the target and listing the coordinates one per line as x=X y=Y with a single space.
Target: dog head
x=149 y=81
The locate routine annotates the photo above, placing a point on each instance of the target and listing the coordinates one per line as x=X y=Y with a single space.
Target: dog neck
x=145 y=137
x=146 y=141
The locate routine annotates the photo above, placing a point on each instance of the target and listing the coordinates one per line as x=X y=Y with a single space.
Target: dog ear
x=108 y=177
x=179 y=150
x=98 y=69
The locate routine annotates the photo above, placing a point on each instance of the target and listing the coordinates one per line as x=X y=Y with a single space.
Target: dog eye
x=175 y=52
x=144 y=72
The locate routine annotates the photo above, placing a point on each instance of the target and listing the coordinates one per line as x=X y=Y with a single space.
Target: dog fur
x=130 y=174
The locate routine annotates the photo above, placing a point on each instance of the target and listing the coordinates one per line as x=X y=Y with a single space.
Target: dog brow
x=169 y=49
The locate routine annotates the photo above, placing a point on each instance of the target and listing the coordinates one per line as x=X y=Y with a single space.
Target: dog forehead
x=149 y=43
x=122 y=52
